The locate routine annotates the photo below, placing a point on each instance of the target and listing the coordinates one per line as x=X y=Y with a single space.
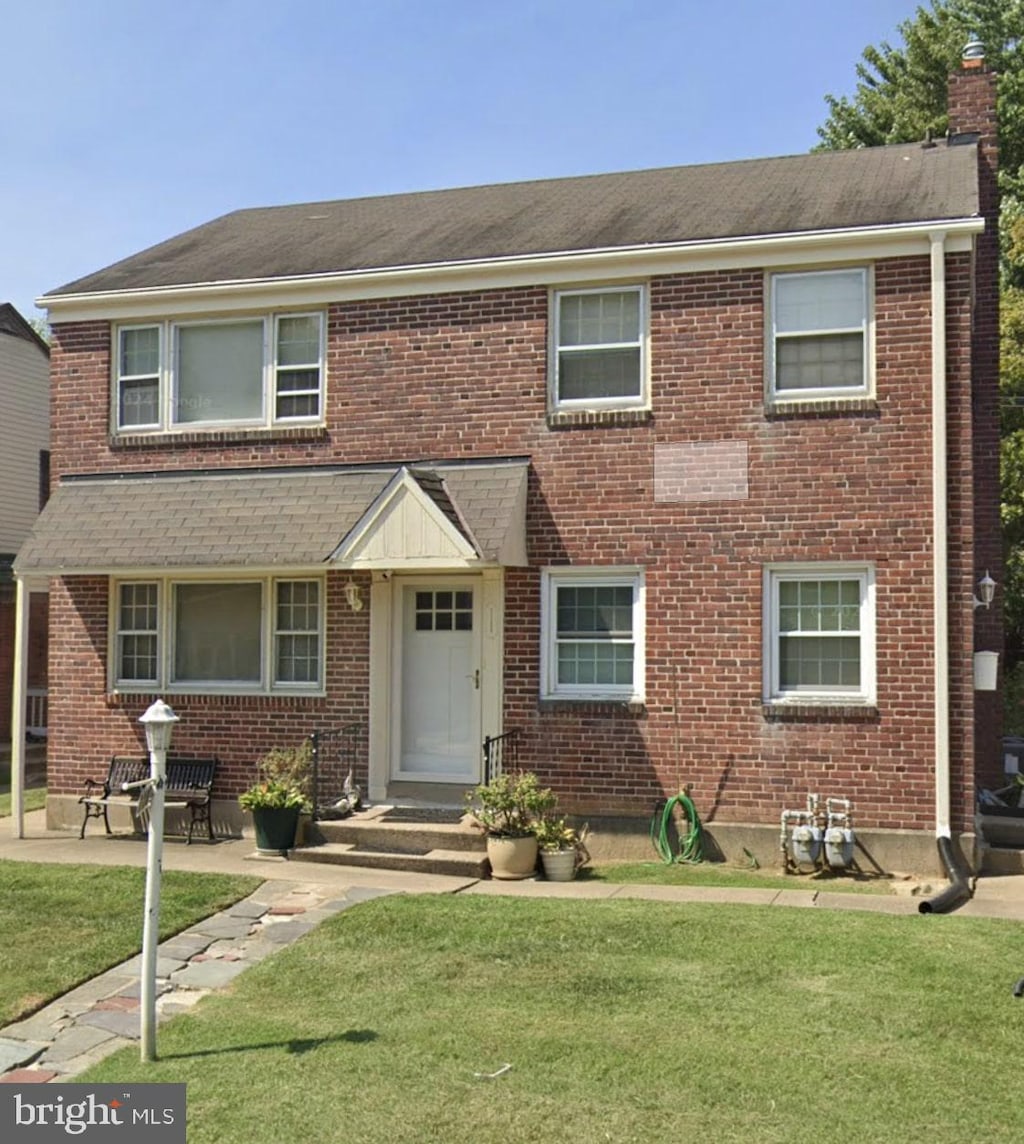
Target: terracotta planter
x=512 y=858
x=275 y=828
x=559 y=865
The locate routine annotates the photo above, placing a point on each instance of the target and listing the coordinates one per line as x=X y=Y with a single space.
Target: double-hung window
x=261 y=634
x=820 y=634
x=593 y=634
x=598 y=349
x=819 y=334
x=251 y=372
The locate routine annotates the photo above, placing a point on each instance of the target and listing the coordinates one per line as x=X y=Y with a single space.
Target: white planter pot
x=986 y=670
x=512 y=858
x=559 y=865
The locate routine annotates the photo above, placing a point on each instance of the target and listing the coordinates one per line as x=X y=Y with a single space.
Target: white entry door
x=437 y=681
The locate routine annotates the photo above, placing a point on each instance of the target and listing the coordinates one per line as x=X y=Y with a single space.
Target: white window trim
x=551 y=578
x=867 y=388
x=774 y=694
x=116 y=632
x=637 y=401
x=165 y=639
x=168 y=379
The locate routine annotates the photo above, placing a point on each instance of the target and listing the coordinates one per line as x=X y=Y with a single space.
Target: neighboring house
x=24 y=486
x=686 y=475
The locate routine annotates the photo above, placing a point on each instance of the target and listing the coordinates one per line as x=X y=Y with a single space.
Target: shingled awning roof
x=262 y=518
x=872 y=187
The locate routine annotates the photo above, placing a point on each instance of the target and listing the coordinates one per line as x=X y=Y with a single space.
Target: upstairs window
x=252 y=372
x=820 y=324
x=599 y=349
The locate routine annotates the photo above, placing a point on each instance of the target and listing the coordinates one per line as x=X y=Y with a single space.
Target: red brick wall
x=465 y=376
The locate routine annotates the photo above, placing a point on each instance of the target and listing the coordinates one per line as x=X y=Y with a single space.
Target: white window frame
x=166 y=603
x=603 y=577
x=774 y=693
x=639 y=400
x=168 y=375
x=117 y=633
x=866 y=328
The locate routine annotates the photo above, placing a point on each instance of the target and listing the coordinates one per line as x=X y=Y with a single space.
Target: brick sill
x=591 y=707
x=820 y=407
x=218 y=437
x=820 y=712
x=597 y=418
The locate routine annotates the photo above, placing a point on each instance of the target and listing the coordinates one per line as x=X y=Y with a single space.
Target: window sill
x=596 y=418
x=122 y=695
x=164 y=440
x=592 y=706
x=781 y=712
x=820 y=407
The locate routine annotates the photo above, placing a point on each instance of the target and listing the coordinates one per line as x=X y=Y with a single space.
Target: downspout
x=19 y=701
x=958 y=889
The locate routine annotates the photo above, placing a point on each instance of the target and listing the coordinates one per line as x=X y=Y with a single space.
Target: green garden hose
x=691 y=845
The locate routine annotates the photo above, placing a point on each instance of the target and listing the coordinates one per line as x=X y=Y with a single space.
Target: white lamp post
x=159 y=722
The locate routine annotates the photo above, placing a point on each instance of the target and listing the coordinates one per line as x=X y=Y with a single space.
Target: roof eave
x=566 y=266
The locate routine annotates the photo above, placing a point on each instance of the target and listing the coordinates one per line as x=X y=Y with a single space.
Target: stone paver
x=74 y=1041
x=220 y=925
x=28 y=1076
x=208 y=974
x=165 y=966
x=247 y=908
x=184 y=946
x=285 y=932
x=14 y=1054
x=121 y=1023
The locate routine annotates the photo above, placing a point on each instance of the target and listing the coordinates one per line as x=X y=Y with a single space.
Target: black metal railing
x=339 y=776
x=501 y=753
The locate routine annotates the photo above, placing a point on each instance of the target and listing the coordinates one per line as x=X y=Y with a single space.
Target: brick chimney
x=972 y=119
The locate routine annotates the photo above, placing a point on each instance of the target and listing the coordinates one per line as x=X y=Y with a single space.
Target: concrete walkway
x=83 y=1026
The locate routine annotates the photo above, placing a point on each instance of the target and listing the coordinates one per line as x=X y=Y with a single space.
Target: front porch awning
x=422 y=515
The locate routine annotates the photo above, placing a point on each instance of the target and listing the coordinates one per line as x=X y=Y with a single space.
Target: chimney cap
x=973 y=54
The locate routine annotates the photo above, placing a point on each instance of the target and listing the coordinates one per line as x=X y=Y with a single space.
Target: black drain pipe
x=959 y=889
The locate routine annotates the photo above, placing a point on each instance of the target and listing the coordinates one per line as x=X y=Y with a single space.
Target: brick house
x=24 y=486
x=687 y=475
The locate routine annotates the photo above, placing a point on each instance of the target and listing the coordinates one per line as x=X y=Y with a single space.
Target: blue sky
x=127 y=121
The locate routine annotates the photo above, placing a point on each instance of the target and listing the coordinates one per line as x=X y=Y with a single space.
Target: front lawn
x=35 y=799
x=657 y=873
x=622 y=1021
x=61 y=925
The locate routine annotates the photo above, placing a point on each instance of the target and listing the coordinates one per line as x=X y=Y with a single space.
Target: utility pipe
x=959 y=889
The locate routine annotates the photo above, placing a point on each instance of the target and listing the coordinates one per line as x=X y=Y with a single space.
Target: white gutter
x=564 y=266
x=940 y=555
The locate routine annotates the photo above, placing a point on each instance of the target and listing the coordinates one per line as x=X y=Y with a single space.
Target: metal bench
x=188 y=786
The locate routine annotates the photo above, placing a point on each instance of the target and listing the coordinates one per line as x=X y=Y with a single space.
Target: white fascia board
x=561 y=267
x=190 y=572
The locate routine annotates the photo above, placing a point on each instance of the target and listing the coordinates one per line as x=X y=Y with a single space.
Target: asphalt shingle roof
x=880 y=186
x=253 y=519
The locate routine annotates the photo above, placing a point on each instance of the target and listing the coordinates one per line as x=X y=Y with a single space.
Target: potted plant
x=562 y=848
x=279 y=795
x=507 y=809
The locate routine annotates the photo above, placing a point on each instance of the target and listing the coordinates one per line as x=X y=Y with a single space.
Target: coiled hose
x=691 y=844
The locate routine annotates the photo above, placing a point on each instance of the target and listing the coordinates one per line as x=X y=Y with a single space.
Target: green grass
x=657 y=873
x=35 y=799
x=64 y=924
x=623 y=1021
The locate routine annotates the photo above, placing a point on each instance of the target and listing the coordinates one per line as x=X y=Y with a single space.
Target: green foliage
x=510 y=805
x=900 y=97
x=901 y=91
x=285 y=779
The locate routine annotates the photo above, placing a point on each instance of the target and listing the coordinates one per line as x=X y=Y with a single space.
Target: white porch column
x=19 y=702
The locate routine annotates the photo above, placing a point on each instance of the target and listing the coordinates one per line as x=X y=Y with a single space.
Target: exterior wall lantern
x=355 y=600
x=159 y=722
x=986 y=590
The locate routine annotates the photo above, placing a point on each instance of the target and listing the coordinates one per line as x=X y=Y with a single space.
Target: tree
x=901 y=97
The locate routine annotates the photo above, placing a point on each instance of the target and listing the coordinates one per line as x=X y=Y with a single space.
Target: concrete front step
x=460 y=863
x=387 y=828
